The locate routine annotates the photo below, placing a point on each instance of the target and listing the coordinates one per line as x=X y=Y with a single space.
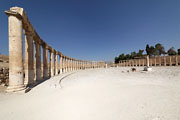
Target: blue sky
x=99 y=29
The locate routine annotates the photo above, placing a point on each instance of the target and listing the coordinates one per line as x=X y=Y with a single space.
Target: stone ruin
x=31 y=70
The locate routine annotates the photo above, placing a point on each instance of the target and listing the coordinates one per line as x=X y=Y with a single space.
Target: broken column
x=147 y=68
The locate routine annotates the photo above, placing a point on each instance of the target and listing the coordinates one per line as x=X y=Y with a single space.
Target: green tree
x=116 y=60
x=147 y=49
x=178 y=51
x=140 y=53
x=171 y=51
x=122 y=57
x=127 y=57
x=152 y=51
x=159 y=49
x=133 y=54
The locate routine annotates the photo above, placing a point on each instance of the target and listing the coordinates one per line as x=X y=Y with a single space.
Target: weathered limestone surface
x=60 y=63
x=56 y=64
x=29 y=61
x=16 y=72
x=38 y=62
x=45 y=62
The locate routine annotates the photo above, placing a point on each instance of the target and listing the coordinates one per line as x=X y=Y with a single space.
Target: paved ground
x=101 y=94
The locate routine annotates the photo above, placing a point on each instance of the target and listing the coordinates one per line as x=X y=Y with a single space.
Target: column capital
x=60 y=54
x=44 y=45
x=15 y=11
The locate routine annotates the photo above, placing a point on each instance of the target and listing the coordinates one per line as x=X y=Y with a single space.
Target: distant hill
x=4 y=58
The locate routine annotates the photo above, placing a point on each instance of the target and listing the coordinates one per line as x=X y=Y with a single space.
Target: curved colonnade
x=28 y=69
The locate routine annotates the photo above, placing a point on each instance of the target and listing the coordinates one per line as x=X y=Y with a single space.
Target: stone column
x=143 y=62
x=164 y=60
x=56 y=62
x=89 y=66
x=67 y=64
x=29 y=59
x=38 y=61
x=147 y=60
x=150 y=62
x=52 y=62
x=70 y=65
x=81 y=64
x=49 y=63
x=78 y=64
x=139 y=62
x=63 y=65
x=16 y=73
x=45 y=62
x=159 y=60
x=85 y=67
x=176 y=60
x=155 y=61
x=170 y=60
x=132 y=62
x=60 y=63
x=75 y=65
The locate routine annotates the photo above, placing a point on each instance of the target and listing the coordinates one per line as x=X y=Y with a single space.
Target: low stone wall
x=4 y=76
x=4 y=70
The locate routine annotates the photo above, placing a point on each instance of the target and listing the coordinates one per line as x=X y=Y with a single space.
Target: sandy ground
x=101 y=94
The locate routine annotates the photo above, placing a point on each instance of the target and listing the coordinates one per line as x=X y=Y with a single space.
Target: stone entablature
x=32 y=69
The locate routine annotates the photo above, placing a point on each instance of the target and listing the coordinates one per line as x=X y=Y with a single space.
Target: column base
x=15 y=88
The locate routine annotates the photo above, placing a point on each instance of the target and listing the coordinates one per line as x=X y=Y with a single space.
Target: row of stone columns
x=26 y=70
x=154 y=61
